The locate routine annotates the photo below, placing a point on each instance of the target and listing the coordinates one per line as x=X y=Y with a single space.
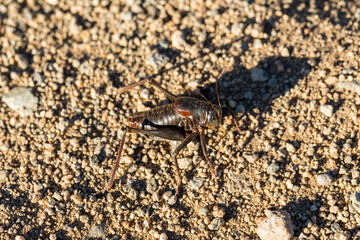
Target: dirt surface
x=287 y=69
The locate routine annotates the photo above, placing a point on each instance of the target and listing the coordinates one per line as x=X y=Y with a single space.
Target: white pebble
x=327 y=110
x=276 y=225
x=324 y=179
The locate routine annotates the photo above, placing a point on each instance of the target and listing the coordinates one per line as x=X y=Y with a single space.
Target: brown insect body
x=182 y=120
x=185 y=112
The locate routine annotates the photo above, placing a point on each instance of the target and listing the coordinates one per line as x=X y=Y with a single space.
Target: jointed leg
x=171 y=96
x=116 y=166
x=203 y=146
x=187 y=140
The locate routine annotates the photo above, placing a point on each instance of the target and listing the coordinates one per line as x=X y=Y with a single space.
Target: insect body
x=182 y=120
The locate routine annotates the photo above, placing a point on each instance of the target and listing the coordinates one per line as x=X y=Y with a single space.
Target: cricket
x=182 y=120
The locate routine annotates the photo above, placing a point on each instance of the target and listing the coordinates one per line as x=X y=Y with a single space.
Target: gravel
x=287 y=70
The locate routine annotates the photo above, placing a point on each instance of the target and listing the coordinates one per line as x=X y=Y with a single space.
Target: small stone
x=327 y=110
x=313 y=208
x=342 y=236
x=259 y=75
x=52 y=2
x=178 y=40
x=276 y=225
x=216 y=224
x=184 y=163
x=232 y=103
x=23 y=61
x=204 y=211
x=324 y=179
x=355 y=200
x=163 y=236
x=257 y=43
x=237 y=29
x=240 y=108
x=284 y=52
x=126 y=16
x=145 y=94
x=352 y=86
x=132 y=194
x=163 y=44
x=251 y=158
x=77 y=198
x=167 y=195
x=3 y=174
x=21 y=100
x=218 y=212
x=273 y=168
x=158 y=60
x=19 y=237
x=347 y=159
x=151 y=185
x=97 y=232
x=290 y=147
x=84 y=219
x=172 y=200
x=196 y=183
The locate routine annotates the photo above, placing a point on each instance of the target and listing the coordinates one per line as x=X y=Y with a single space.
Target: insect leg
x=171 y=96
x=116 y=166
x=203 y=146
x=186 y=141
x=165 y=133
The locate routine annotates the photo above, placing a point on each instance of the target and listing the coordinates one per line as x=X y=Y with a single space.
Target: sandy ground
x=287 y=69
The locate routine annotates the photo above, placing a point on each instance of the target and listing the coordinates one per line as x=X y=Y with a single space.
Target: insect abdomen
x=165 y=115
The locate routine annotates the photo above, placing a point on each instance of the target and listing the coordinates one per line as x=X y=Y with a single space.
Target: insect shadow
x=254 y=90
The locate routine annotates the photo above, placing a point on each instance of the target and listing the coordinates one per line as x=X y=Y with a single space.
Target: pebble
x=164 y=44
x=172 y=200
x=196 y=183
x=216 y=224
x=218 y=212
x=151 y=185
x=167 y=195
x=52 y=2
x=327 y=110
x=145 y=94
x=273 y=168
x=21 y=100
x=257 y=43
x=232 y=103
x=3 y=176
x=204 y=211
x=77 y=198
x=355 y=200
x=342 y=236
x=163 y=236
x=352 y=86
x=276 y=225
x=237 y=28
x=324 y=179
x=178 y=40
x=251 y=158
x=23 y=61
x=259 y=75
x=184 y=163
x=84 y=219
x=290 y=147
x=132 y=194
x=19 y=237
x=158 y=60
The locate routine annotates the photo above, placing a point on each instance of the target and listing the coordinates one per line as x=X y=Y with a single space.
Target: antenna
x=217 y=93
